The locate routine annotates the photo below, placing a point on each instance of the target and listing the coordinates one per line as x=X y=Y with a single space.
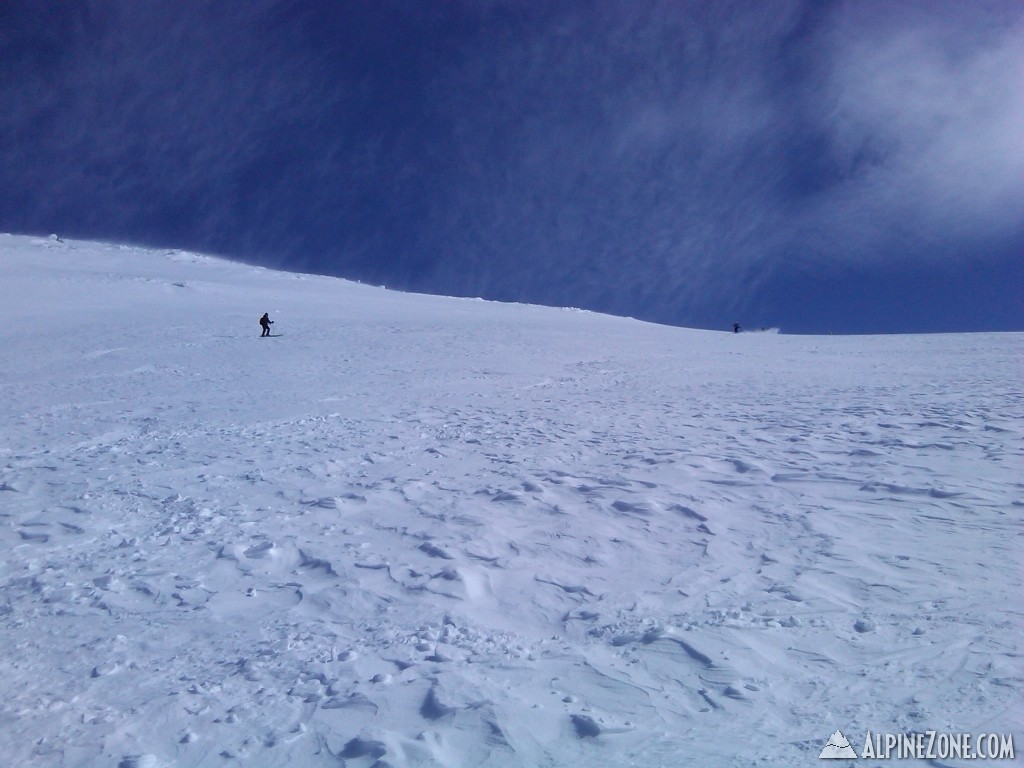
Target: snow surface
x=415 y=530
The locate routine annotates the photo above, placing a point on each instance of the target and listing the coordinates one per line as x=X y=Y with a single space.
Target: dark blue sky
x=817 y=166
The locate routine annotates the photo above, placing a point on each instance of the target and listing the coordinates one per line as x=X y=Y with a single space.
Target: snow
x=416 y=530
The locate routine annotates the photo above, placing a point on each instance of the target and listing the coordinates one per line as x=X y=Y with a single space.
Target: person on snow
x=266 y=322
x=735 y=327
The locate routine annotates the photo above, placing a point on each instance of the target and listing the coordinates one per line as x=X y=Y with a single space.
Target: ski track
x=440 y=533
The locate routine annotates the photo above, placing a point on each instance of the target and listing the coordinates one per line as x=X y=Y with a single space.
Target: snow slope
x=415 y=530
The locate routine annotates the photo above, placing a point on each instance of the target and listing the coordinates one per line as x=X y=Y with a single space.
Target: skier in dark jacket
x=266 y=322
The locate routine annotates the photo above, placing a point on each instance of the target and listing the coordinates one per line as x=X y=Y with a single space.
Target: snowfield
x=424 y=531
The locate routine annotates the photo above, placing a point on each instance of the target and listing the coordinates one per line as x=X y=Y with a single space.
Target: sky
x=813 y=165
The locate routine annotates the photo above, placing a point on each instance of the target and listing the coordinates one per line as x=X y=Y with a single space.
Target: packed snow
x=410 y=530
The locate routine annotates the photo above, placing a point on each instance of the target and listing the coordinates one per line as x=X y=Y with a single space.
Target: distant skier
x=735 y=327
x=266 y=322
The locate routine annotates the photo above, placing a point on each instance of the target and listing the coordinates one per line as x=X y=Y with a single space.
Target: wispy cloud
x=684 y=155
x=652 y=157
x=925 y=120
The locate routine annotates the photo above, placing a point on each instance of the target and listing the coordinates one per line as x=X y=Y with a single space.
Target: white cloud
x=926 y=124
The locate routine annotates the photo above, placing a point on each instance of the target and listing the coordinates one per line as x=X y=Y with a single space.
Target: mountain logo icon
x=837 y=748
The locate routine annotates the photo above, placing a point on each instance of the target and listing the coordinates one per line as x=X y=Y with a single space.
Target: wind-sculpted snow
x=416 y=531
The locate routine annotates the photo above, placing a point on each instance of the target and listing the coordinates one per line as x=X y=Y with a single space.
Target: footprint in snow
x=572 y=589
x=585 y=726
x=140 y=761
x=433 y=709
x=630 y=508
x=434 y=551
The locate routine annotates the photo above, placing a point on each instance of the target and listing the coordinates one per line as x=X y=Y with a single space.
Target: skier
x=735 y=327
x=266 y=322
